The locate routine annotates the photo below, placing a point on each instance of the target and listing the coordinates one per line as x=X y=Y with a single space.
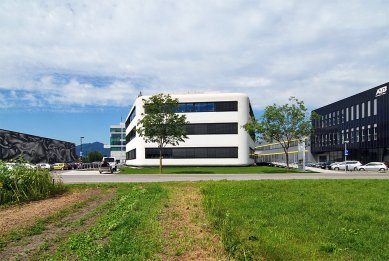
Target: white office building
x=117 y=141
x=215 y=133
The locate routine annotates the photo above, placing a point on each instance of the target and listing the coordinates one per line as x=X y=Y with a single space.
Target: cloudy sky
x=82 y=63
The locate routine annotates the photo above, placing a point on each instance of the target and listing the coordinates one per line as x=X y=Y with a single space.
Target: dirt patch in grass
x=36 y=246
x=187 y=235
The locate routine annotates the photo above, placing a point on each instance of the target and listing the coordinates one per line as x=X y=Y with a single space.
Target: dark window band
x=211 y=128
x=131 y=117
x=130 y=155
x=207 y=106
x=131 y=135
x=193 y=153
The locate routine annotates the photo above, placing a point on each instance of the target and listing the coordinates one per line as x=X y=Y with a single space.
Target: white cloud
x=60 y=53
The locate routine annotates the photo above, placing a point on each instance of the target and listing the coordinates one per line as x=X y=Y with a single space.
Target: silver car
x=376 y=166
x=350 y=165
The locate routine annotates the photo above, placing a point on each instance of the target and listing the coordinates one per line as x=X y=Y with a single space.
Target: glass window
x=333 y=119
x=210 y=106
x=342 y=136
x=368 y=109
x=363 y=134
x=189 y=107
x=357 y=112
x=363 y=110
x=347 y=114
x=347 y=138
x=352 y=135
x=375 y=107
x=357 y=134
x=131 y=117
x=337 y=117
x=182 y=107
x=368 y=133
x=352 y=113
x=342 y=115
x=329 y=119
x=324 y=121
x=375 y=136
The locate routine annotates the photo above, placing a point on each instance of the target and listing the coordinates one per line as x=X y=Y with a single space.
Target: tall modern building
x=117 y=141
x=34 y=148
x=357 y=125
x=215 y=133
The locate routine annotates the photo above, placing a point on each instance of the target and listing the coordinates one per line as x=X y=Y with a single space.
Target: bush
x=21 y=183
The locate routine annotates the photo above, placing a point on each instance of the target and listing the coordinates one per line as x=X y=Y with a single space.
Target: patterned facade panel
x=35 y=149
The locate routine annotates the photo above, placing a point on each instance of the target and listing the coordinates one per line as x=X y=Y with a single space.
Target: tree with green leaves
x=161 y=124
x=94 y=156
x=283 y=124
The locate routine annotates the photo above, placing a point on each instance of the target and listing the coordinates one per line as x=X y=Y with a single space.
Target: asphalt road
x=93 y=176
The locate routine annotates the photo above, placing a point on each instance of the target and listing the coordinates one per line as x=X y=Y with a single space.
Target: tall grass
x=21 y=184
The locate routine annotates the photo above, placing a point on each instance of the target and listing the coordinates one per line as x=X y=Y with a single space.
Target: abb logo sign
x=381 y=91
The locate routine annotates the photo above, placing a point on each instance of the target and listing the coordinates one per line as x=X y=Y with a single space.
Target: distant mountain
x=89 y=147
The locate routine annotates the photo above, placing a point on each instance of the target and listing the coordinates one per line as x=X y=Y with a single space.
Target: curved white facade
x=239 y=143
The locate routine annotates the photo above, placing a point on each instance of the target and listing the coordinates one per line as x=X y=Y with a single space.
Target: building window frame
x=368 y=109
x=375 y=107
x=375 y=134
x=368 y=133
x=363 y=110
x=363 y=134
x=357 y=134
x=357 y=112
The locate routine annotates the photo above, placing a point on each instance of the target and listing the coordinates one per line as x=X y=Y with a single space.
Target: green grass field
x=205 y=170
x=127 y=231
x=302 y=220
x=255 y=220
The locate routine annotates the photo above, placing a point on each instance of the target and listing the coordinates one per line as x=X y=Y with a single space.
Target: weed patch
x=22 y=184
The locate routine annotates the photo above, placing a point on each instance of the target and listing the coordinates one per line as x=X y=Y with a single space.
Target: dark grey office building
x=360 y=123
x=35 y=149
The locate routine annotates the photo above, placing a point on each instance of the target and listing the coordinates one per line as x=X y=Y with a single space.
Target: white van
x=111 y=161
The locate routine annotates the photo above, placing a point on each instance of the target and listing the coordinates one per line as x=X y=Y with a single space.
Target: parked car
x=264 y=164
x=377 y=166
x=349 y=165
x=324 y=165
x=310 y=164
x=27 y=165
x=59 y=166
x=43 y=166
x=68 y=166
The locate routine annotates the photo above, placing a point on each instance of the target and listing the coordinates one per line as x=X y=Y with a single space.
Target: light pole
x=345 y=154
x=81 y=148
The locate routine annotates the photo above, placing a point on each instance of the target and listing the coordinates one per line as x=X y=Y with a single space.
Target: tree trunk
x=160 y=160
x=287 y=158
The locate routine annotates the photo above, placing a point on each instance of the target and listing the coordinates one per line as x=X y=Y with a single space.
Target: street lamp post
x=81 y=148
x=345 y=154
